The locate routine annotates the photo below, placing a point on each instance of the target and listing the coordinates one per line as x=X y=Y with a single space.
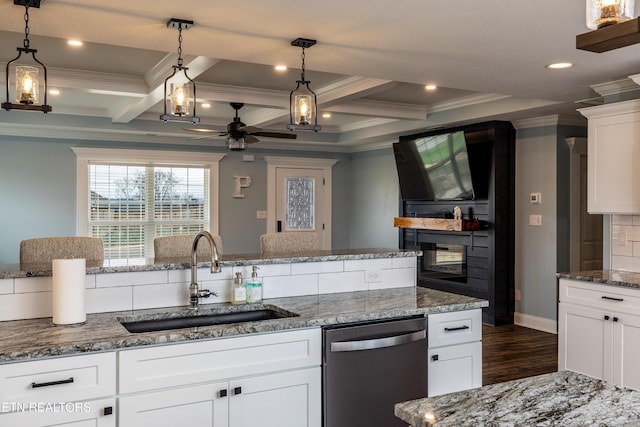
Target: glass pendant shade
x=601 y=13
x=236 y=144
x=303 y=109
x=26 y=85
x=181 y=98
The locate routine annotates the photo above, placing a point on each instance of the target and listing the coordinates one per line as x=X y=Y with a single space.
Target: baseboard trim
x=534 y=322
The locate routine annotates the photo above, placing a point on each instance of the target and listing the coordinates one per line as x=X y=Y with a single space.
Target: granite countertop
x=566 y=399
x=233 y=260
x=621 y=278
x=37 y=338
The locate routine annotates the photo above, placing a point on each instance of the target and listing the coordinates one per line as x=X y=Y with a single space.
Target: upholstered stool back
x=36 y=254
x=289 y=242
x=169 y=249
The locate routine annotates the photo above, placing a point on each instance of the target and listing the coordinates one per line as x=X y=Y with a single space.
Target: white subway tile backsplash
x=289 y=286
x=24 y=298
x=619 y=248
x=317 y=267
x=621 y=219
x=102 y=300
x=365 y=264
x=330 y=283
x=6 y=286
x=625 y=263
x=131 y=279
x=33 y=284
x=395 y=278
x=404 y=262
x=25 y=306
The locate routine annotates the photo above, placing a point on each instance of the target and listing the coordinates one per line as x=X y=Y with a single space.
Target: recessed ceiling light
x=281 y=68
x=75 y=43
x=54 y=92
x=559 y=65
x=205 y=105
x=326 y=115
x=430 y=86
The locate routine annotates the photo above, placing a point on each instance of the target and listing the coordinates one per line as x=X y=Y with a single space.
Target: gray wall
x=38 y=193
x=542 y=166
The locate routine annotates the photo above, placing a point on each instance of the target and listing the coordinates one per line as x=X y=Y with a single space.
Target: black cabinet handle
x=108 y=410
x=606 y=317
x=458 y=328
x=434 y=358
x=237 y=390
x=50 y=383
x=222 y=393
x=613 y=299
x=279 y=226
x=615 y=319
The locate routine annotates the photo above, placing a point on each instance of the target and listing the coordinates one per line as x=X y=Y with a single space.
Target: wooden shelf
x=610 y=37
x=436 y=224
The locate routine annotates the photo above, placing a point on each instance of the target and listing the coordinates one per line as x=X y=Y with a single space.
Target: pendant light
x=27 y=82
x=181 y=93
x=303 y=106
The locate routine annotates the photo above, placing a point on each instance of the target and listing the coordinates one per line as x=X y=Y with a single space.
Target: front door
x=299 y=198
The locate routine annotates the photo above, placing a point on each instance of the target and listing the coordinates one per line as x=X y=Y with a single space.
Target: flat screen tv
x=434 y=167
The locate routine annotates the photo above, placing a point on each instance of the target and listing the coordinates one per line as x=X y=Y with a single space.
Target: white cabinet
x=613 y=183
x=77 y=390
x=455 y=352
x=268 y=379
x=599 y=331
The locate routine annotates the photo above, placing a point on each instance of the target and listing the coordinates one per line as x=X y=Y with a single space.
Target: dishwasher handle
x=378 y=342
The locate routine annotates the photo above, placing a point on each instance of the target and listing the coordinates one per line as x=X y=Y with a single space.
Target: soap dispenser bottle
x=254 y=287
x=238 y=291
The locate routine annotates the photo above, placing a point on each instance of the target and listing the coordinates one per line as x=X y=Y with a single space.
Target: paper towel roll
x=68 y=291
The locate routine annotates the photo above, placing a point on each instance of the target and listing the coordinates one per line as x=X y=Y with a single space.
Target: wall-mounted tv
x=435 y=167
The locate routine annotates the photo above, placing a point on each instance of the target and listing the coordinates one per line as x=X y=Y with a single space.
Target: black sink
x=203 y=320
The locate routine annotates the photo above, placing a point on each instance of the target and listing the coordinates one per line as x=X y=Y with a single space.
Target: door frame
x=326 y=165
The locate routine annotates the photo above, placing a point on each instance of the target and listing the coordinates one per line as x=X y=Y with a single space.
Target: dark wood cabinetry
x=477 y=263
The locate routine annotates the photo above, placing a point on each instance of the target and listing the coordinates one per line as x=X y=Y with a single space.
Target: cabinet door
x=613 y=179
x=627 y=345
x=200 y=406
x=97 y=413
x=585 y=341
x=454 y=368
x=290 y=399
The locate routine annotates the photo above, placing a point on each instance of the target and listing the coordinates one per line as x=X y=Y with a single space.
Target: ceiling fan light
x=235 y=143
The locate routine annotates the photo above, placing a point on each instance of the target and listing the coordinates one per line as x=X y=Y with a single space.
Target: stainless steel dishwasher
x=369 y=367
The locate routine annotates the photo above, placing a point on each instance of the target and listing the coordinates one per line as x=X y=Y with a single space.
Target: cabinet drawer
x=456 y=327
x=219 y=359
x=620 y=299
x=65 y=379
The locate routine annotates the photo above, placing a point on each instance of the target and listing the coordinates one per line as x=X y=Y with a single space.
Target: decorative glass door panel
x=299 y=204
x=299 y=196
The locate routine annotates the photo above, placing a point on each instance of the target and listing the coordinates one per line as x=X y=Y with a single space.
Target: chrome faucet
x=194 y=292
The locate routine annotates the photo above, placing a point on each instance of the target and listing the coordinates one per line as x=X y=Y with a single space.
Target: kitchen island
x=37 y=338
x=565 y=398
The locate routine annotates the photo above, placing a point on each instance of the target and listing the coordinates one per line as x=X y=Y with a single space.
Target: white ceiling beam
x=197 y=66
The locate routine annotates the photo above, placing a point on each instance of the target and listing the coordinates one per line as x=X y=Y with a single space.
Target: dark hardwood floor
x=510 y=352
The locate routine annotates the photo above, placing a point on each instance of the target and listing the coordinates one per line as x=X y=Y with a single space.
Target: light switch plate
x=535 y=198
x=261 y=214
x=535 y=219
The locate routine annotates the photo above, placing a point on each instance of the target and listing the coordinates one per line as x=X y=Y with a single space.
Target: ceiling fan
x=238 y=134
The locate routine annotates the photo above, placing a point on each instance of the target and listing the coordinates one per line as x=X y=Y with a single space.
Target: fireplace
x=444 y=261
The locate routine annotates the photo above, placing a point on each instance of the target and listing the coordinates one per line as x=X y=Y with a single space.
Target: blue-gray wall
x=38 y=193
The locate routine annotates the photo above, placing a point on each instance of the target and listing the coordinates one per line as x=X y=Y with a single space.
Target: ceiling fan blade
x=202 y=137
x=204 y=130
x=275 y=134
x=250 y=139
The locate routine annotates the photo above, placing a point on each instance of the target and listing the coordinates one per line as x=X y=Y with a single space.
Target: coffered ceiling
x=369 y=67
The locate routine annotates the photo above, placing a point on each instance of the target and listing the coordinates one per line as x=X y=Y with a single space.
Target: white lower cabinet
x=73 y=391
x=272 y=380
x=455 y=352
x=599 y=332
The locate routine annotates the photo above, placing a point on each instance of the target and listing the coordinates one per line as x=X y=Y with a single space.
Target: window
x=129 y=197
